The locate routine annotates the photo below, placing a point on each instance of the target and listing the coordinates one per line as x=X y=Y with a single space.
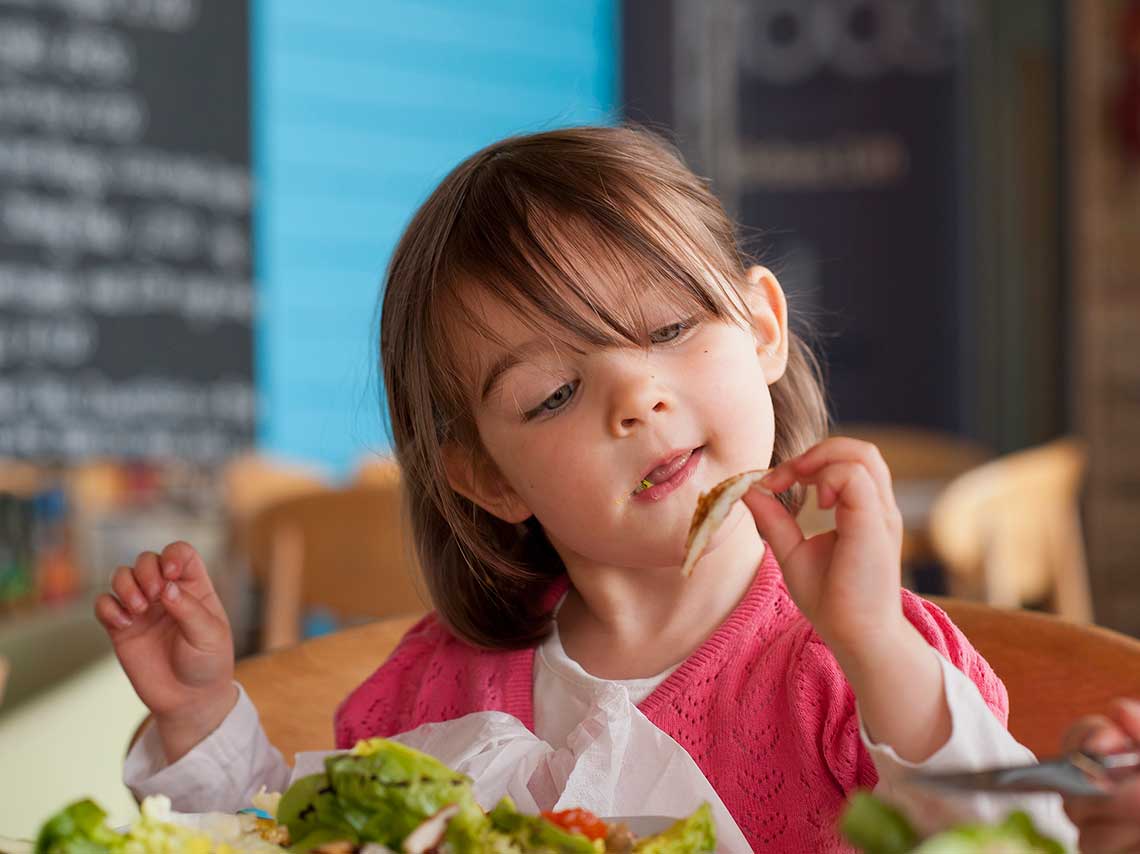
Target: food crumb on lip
x=641 y=487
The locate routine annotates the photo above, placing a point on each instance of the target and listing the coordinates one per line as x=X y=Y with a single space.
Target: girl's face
x=574 y=435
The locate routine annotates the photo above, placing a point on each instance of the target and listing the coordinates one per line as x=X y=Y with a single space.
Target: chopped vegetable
x=876 y=828
x=579 y=821
x=693 y=835
x=381 y=797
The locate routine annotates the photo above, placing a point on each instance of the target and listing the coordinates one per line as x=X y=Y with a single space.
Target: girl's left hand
x=846 y=582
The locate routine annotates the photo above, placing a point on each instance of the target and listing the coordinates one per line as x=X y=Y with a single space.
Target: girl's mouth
x=668 y=477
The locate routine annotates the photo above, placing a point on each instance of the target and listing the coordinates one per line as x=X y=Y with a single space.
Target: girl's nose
x=636 y=399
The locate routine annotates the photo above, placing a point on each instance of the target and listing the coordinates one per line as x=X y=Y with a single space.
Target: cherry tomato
x=578 y=821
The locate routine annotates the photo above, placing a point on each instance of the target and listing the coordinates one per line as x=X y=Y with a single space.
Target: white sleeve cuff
x=220 y=773
x=977 y=740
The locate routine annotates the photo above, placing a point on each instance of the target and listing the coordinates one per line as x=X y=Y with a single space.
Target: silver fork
x=1081 y=773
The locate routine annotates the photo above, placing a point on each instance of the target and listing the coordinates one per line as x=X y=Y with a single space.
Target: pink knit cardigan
x=761 y=706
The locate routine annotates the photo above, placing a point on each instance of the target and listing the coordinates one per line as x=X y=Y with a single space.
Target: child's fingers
x=148 y=576
x=1108 y=825
x=1125 y=713
x=180 y=561
x=839 y=449
x=776 y=525
x=781 y=478
x=110 y=613
x=126 y=589
x=848 y=486
x=1096 y=733
x=202 y=630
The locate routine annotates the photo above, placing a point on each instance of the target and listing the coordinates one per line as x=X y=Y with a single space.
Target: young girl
x=573 y=349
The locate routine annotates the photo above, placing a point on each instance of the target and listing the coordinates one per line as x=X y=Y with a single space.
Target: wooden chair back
x=345 y=550
x=1009 y=531
x=922 y=461
x=297 y=689
x=376 y=471
x=919 y=453
x=251 y=482
x=1054 y=670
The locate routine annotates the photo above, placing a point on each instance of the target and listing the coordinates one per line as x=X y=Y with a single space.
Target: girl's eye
x=671 y=332
x=556 y=401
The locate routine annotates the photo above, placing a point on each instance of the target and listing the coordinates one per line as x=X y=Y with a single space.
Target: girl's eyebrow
x=511 y=359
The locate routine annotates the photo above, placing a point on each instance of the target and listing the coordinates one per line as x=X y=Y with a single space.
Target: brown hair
x=534 y=221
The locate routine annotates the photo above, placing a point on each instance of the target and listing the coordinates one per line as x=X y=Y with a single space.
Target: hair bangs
x=581 y=271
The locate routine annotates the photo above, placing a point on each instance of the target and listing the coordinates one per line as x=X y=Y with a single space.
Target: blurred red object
x=1128 y=99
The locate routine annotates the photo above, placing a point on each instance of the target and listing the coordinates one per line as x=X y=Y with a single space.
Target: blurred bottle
x=15 y=550
x=56 y=574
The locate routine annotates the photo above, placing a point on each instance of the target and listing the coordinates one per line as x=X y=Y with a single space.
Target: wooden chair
x=253 y=481
x=1055 y=671
x=345 y=550
x=922 y=462
x=919 y=453
x=377 y=471
x=296 y=690
x=1009 y=531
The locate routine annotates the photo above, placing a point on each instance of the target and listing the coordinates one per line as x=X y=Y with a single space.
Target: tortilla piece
x=712 y=509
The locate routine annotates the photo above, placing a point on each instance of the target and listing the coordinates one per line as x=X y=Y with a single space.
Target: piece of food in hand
x=875 y=827
x=713 y=508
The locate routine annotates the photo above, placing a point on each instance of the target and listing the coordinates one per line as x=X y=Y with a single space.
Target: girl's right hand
x=1109 y=824
x=173 y=639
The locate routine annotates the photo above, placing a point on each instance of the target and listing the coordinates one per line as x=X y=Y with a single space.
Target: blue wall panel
x=360 y=108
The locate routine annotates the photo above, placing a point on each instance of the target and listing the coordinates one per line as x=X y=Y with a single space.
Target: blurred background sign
x=126 y=300
x=896 y=163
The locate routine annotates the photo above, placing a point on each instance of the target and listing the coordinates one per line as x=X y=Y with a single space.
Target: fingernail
x=122 y=621
x=171 y=591
x=169 y=568
x=1130 y=705
x=138 y=604
x=1102 y=742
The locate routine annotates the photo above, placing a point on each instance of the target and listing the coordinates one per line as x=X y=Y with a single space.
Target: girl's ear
x=769 y=312
x=477 y=479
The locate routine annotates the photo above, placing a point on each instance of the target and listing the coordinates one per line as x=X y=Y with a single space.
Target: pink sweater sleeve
x=825 y=704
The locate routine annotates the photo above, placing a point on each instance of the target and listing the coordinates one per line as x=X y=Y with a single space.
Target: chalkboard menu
x=126 y=299
x=848 y=159
x=836 y=133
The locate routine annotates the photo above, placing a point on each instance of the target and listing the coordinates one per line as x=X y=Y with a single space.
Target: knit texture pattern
x=761 y=706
